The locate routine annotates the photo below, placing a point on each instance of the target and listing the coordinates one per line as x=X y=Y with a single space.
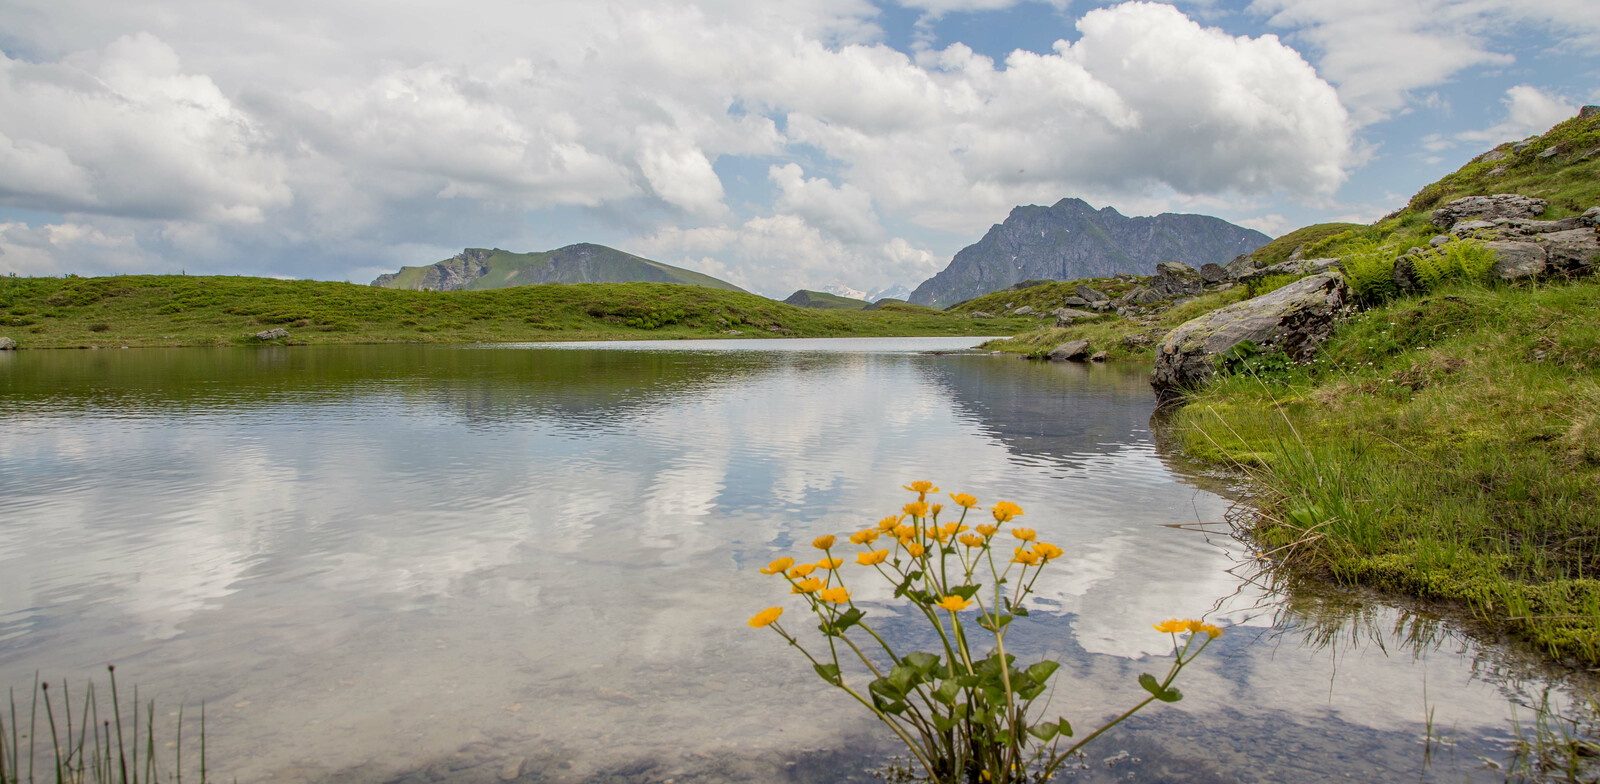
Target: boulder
x=1066 y=317
x=1529 y=228
x=1439 y=240
x=1136 y=340
x=1466 y=227
x=273 y=334
x=1300 y=267
x=1550 y=152
x=1590 y=217
x=1089 y=295
x=1022 y=311
x=7 y=344
x=1141 y=295
x=1098 y=356
x=1213 y=273
x=979 y=314
x=1496 y=154
x=1518 y=260
x=1075 y=302
x=1073 y=350
x=1522 y=145
x=1241 y=266
x=1294 y=319
x=1299 y=252
x=1500 y=205
x=1572 y=251
x=1176 y=279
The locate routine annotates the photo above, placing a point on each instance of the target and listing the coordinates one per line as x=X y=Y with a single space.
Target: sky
x=777 y=145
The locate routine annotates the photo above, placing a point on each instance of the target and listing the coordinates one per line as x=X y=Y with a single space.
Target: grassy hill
x=1445 y=444
x=176 y=310
x=805 y=298
x=476 y=269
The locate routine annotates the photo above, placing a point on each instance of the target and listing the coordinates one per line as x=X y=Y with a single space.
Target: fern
x=1369 y=269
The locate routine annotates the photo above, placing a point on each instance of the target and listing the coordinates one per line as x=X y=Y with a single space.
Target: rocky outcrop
x=1072 y=350
x=1176 y=279
x=1572 y=252
x=1518 y=260
x=452 y=274
x=1500 y=205
x=1066 y=317
x=1242 y=266
x=1072 y=240
x=7 y=344
x=276 y=333
x=1294 y=319
x=1213 y=274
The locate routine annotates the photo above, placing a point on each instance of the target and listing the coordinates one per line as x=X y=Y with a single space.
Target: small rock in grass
x=7 y=344
x=1098 y=356
x=275 y=333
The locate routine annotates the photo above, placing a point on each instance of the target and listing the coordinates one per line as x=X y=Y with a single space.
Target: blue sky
x=779 y=146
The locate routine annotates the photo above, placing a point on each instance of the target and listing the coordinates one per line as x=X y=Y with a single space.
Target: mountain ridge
x=476 y=269
x=1071 y=239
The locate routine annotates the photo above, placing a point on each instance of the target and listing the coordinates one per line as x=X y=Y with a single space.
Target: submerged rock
x=1294 y=319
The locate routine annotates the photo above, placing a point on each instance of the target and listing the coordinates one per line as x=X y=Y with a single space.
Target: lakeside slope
x=175 y=310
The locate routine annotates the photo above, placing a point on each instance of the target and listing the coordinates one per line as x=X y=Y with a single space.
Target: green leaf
x=968 y=681
x=902 y=678
x=1042 y=671
x=904 y=588
x=943 y=724
x=1170 y=695
x=965 y=591
x=947 y=692
x=996 y=625
x=847 y=619
x=1066 y=728
x=895 y=708
x=829 y=672
x=1153 y=686
x=1020 y=611
x=1029 y=692
x=924 y=663
x=1044 y=731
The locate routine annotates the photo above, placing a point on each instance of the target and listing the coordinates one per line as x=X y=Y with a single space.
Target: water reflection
x=381 y=563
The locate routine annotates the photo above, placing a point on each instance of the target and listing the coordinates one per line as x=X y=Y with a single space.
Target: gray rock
x=1439 y=240
x=1141 y=295
x=1176 y=279
x=1404 y=275
x=273 y=334
x=512 y=769
x=1241 y=266
x=1413 y=250
x=979 y=314
x=1497 y=171
x=1572 y=251
x=1301 y=267
x=1588 y=112
x=1299 y=252
x=1518 y=260
x=1500 y=205
x=1072 y=350
x=1522 y=145
x=1090 y=295
x=1066 y=317
x=1295 y=319
x=1494 y=155
x=1528 y=228
x=1022 y=311
x=1098 y=356
x=1101 y=306
x=7 y=344
x=1467 y=227
x=1590 y=217
x=1550 y=152
x=1136 y=340
x=1075 y=302
x=1213 y=273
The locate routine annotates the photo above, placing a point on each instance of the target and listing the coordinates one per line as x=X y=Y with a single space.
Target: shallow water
x=416 y=563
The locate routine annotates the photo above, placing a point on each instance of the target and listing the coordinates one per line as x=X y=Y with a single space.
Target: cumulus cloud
x=1529 y=111
x=57 y=248
x=125 y=131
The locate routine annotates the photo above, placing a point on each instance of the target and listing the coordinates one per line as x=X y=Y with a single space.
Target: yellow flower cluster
x=1190 y=625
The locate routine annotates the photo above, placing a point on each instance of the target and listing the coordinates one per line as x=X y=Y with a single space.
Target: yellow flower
x=954 y=603
x=765 y=617
x=964 y=500
x=914 y=549
x=777 y=567
x=935 y=509
x=822 y=542
x=1175 y=625
x=872 y=558
x=921 y=488
x=837 y=595
x=905 y=532
x=865 y=536
x=830 y=563
x=1046 y=551
x=807 y=586
x=935 y=533
x=916 y=509
x=1025 y=534
x=1211 y=631
x=1005 y=510
x=988 y=531
x=973 y=540
x=888 y=523
x=802 y=570
x=950 y=529
x=1171 y=626
x=1024 y=557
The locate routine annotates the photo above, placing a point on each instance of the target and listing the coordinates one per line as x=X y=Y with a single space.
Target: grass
x=806 y=298
x=1445 y=446
x=96 y=747
x=1280 y=249
x=579 y=263
x=175 y=310
x=1043 y=296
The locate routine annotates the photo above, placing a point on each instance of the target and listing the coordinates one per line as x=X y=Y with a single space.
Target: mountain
x=477 y=268
x=841 y=290
x=1073 y=240
x=823 y=300
x=896 y=291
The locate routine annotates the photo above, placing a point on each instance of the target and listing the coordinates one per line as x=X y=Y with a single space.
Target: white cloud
x=125 y=131
x=844 y=212
x=57 y=248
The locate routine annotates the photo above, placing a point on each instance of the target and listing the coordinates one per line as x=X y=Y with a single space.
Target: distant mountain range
x=478 y=268
x=1071 y=240
x=822 y=300
x=895 y=291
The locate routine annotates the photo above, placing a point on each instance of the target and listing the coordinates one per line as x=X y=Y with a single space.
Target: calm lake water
x=473 y=564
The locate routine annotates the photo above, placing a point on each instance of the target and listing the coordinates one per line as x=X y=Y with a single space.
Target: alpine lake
x=535 y=562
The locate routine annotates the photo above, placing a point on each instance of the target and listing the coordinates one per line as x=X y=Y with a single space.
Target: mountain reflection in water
x=380 y=563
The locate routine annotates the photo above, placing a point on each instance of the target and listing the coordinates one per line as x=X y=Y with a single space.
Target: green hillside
x=476 y=269
x=177 y=310
x=805 y=298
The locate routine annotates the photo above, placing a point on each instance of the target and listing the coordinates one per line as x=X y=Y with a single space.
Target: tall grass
x=98 y=746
